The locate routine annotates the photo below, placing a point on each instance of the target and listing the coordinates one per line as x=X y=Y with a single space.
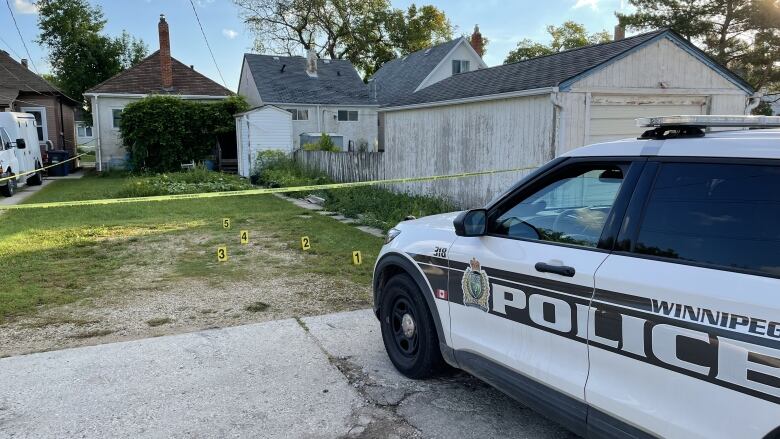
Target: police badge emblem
x=476 y=286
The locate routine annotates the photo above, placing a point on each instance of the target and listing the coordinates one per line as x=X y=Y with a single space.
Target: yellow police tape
x=40 y=169
x=262 y=191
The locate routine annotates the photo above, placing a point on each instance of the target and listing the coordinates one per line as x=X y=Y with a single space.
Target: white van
x=19 y=152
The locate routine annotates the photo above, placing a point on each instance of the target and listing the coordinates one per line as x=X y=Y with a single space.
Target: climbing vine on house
x=162 y=132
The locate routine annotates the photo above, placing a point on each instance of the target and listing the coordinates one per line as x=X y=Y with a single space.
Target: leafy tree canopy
x=743 y=35
x=567 y=36
x=80 y=55
x=366 y=32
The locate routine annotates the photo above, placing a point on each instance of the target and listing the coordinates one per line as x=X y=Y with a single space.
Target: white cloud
x=593 y=4
x=229 y=33
x=25 y=7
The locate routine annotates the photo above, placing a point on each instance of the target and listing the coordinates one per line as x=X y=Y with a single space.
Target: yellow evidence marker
x=225 y=223
x=245 y=237
x=222 y=255
x=305 y=243
x=357 y=258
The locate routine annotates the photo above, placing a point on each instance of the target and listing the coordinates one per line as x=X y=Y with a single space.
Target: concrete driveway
x=318 y=377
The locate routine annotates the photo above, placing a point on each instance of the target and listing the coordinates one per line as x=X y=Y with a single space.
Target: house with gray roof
x=523 y=114
x=323 y=96
x=404 y=76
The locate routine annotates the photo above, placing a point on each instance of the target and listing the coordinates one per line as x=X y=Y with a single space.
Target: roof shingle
x=401 y=77
x=15 y=76
x=540 y=72
x=283 y=79
x=145 y=78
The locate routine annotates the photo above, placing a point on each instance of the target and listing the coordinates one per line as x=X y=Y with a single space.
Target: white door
x=520 y=292
x=687 y=332
x=612 y=117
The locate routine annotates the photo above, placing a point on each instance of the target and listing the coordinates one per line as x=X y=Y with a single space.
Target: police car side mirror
x=20 y=144
x=471 y=223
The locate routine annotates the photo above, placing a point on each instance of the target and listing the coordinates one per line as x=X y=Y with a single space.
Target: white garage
x=261 y=129
x=526 y=113
x=613 y=116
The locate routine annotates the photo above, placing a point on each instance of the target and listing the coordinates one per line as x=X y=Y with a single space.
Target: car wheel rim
x=404 y=326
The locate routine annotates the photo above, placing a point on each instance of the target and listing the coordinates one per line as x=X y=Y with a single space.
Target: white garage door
x=612 y=117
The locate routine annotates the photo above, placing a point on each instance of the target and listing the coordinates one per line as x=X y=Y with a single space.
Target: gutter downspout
x=98 y=149
x=319 y=120
x=557 y=108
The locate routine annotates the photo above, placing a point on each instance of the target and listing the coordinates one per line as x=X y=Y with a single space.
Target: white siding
x=444 y=70
x=660 y=62
x=247 y=87
x=324 y=118
x=263 y=129
x=500 y=134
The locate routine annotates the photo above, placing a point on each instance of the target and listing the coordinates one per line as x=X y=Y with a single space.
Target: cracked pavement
x=318 y=377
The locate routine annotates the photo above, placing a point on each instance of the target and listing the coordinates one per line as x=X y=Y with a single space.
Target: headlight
x=391 y=234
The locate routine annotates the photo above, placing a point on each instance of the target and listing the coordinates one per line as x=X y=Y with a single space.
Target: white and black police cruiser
x=626 y=289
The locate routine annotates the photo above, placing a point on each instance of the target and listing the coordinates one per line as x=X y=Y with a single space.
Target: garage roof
x=556 y=70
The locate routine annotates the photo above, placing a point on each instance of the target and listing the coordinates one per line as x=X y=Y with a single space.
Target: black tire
x=417 y=356
x=8 y=188
x=35 y=179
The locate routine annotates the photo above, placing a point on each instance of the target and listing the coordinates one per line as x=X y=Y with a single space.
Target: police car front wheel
x=408 y=330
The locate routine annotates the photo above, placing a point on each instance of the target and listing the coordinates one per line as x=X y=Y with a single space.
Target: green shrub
x=162 y=132
x=371 y=205
x=324 y=144
x=186 y=182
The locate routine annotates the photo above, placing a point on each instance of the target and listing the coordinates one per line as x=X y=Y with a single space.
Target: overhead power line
x=10 y=9
x=207 y=43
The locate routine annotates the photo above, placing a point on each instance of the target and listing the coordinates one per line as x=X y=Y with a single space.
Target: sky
x=503 y=22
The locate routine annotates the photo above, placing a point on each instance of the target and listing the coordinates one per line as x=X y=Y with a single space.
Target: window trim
x=629 y=232
x=297 y=115
x=615 y=217
x=460 y=66
x=357 y=115
x=44 y=122
x=121 y=109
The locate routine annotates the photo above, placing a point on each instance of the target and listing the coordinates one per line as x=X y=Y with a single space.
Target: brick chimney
x=166 y=68
x=620 y=33
x=476 y=41
x=24 y=63
x=311 y=63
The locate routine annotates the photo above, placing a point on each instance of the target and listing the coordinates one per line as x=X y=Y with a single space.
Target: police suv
x=626 y=289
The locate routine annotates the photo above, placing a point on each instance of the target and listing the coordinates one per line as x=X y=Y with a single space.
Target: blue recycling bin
x=58 y=157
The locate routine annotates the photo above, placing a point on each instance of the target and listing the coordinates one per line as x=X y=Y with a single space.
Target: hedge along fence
x=162 y=132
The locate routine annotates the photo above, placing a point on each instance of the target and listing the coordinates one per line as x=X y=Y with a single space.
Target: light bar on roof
x=710 y=121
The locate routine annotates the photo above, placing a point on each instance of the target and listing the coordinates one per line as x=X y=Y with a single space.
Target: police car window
x=724 y=215
x=572 y=210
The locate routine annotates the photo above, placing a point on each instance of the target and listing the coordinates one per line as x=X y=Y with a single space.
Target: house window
x=460 y=66
x=84 y=131
x=116 y=117
x=347 y=116
x=298 y=114
x=40 y=121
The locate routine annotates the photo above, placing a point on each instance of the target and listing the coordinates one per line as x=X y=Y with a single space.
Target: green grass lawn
x=53 y=256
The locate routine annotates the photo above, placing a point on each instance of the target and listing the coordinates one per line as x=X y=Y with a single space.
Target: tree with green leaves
x=743 y=35
x=366 y=32
x=567 y=36
x=80 y=55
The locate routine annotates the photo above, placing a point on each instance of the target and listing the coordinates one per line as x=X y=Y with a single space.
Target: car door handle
x=561 y=270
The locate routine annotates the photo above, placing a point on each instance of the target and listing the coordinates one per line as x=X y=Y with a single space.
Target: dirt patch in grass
x=159 y=321
x=176 y=285
x=257 y=306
